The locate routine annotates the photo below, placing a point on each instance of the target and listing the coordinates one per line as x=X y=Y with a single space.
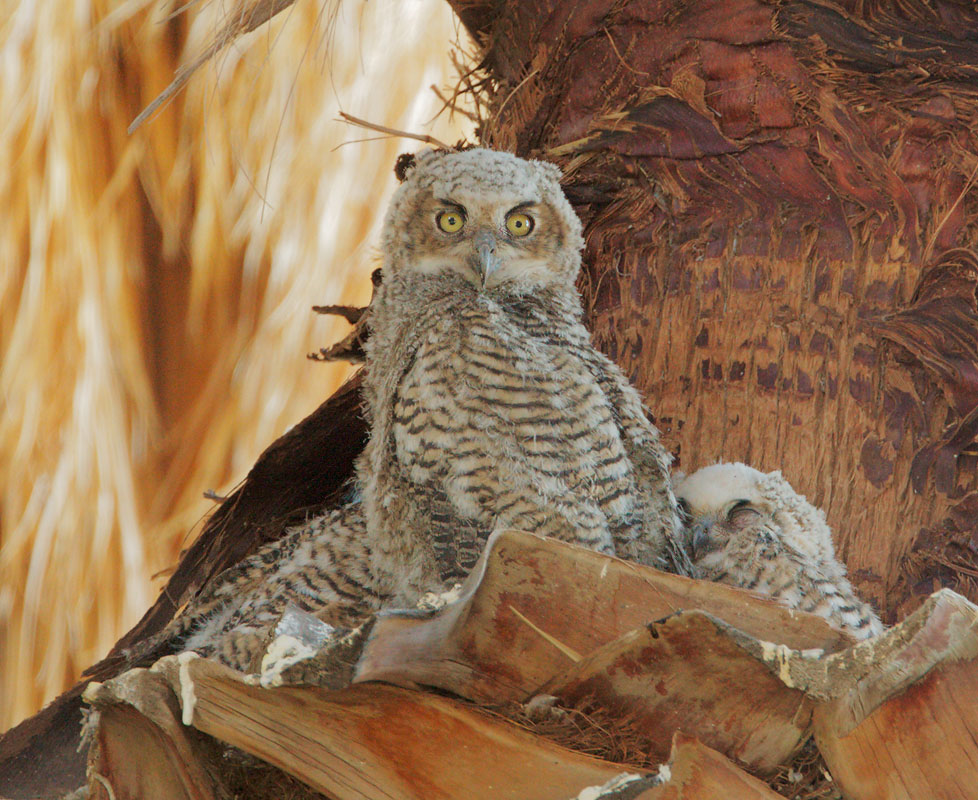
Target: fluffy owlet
x=489 y=407
x=752 y=530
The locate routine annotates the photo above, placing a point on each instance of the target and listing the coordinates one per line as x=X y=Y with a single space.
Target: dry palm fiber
x=155 y=289
x=597 y=731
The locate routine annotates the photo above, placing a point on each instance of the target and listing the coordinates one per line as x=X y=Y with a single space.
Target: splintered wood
x=140 y=747
x=380 y=741
x=701 y=674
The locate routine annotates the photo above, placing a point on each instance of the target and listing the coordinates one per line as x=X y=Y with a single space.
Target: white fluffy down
x=709 y=489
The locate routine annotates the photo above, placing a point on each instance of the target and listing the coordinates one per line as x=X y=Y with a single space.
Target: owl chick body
x=489 y=407
x=752 y=530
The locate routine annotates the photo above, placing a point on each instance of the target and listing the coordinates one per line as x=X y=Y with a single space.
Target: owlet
x=488 y=405
x=488 y=408
x=752 y=530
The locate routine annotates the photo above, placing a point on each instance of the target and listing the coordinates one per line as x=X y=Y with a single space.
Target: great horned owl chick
x=489 y=407
x=752 y=530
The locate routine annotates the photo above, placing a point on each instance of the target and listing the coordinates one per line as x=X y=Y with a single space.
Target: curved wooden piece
x=532 y=606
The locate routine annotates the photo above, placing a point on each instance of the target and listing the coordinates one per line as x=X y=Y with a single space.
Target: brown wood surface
x=908 y=728
x=366 y=742
x=141 y=750
x=687 y=674
x=382 y=742
x=530 y=601
x=698 y=773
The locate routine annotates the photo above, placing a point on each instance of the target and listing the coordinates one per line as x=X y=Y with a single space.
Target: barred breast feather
x=503 y=416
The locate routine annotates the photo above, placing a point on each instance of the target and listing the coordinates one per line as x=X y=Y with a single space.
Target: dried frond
x=155 y=293
x=242 y=19
x=373 y=126
x=588 y=728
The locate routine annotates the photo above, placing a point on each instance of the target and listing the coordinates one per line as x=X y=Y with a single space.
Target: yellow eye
x=519 y=224
x=450 y=221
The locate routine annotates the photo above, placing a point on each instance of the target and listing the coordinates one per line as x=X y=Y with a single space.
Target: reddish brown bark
x=775 y=194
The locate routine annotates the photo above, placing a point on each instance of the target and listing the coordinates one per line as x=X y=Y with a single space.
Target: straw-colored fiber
x=155 y=289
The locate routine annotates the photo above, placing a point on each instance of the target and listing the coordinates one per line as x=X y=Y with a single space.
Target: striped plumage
x=321 y=568
x=752 y=530
x=489 y=407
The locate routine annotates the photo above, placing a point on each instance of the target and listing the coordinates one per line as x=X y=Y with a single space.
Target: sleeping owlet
x=752 y=530
x=487 y=403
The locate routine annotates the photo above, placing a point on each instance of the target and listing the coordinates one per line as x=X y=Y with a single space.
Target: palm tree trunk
x=781 y=230
x=780 y=214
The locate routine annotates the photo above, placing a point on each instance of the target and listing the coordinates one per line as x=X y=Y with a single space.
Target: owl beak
x=701 y=539
x=485 y=245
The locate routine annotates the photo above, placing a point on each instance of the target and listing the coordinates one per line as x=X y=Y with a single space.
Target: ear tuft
x=405 y=163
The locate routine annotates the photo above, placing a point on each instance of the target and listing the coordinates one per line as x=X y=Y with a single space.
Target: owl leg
x=299 y=647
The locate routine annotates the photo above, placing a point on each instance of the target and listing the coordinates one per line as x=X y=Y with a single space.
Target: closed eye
x=742 y=514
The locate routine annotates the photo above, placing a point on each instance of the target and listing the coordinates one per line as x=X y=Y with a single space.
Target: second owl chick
x=752 y=530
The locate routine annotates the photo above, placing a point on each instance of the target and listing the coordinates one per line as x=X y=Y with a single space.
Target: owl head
x=732 y=505
x=492 y=218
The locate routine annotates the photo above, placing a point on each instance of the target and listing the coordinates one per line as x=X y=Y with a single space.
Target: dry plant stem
x=371 y=126
x=239 y=22
x=351 y=314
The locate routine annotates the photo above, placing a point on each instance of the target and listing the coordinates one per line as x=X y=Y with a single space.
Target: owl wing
x=457 y=542
x=661 y=545
x=323 y=563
